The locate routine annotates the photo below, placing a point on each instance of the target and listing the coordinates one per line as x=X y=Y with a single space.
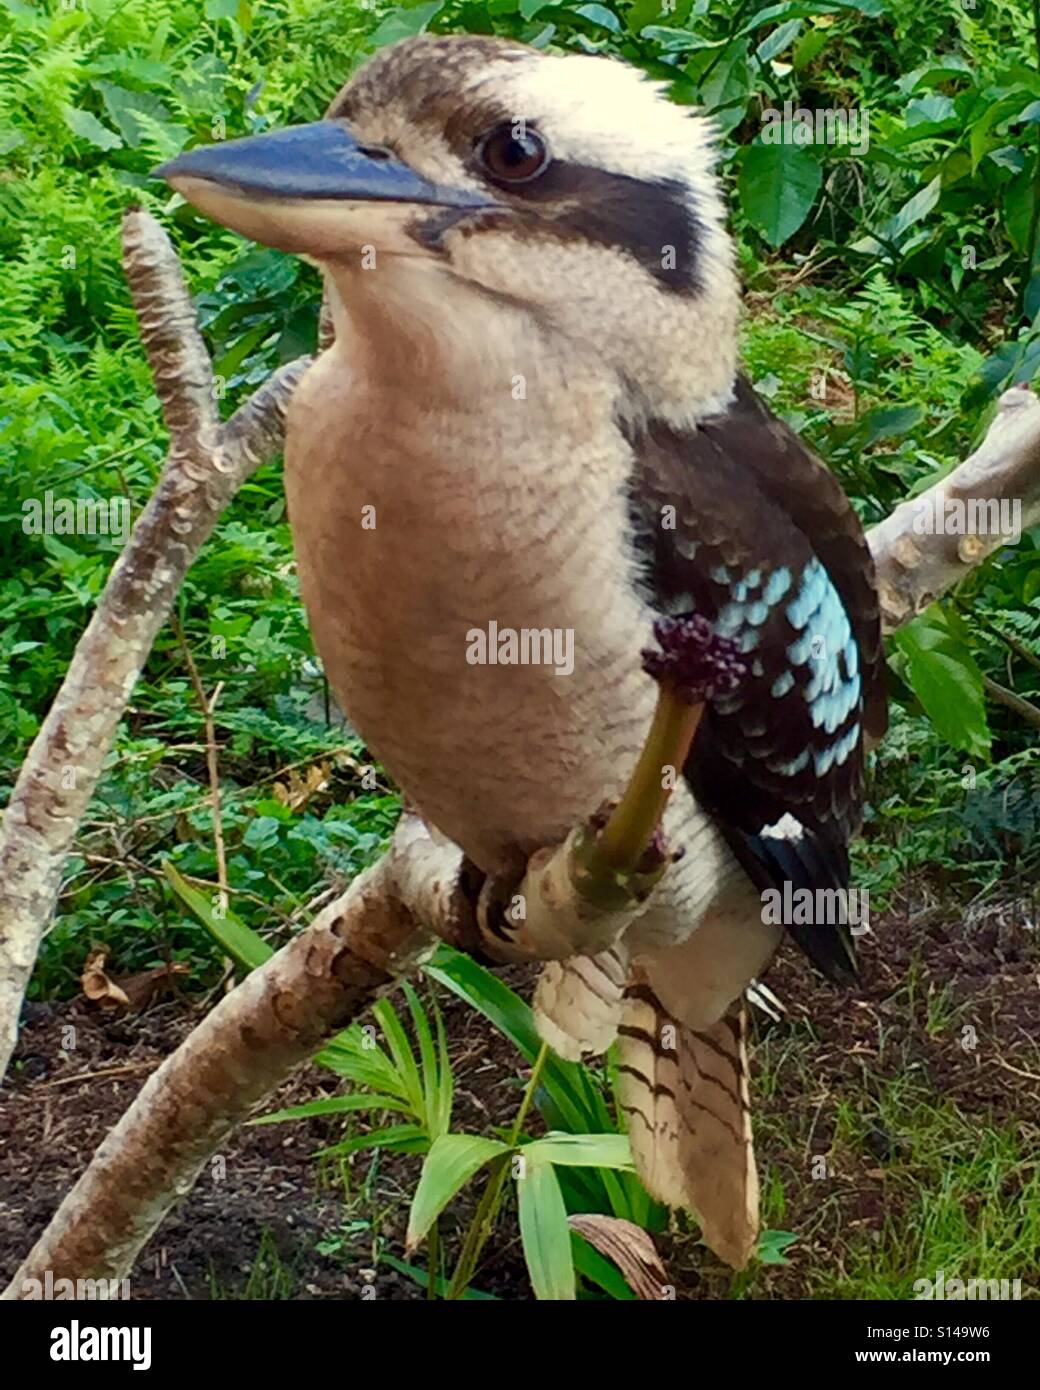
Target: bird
x=531 y=424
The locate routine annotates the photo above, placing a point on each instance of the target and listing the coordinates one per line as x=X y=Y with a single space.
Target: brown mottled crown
x=425 y=73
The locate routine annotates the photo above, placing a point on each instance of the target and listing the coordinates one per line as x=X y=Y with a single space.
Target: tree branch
x=206 y=464
x=277 y=1018
x=915 y=568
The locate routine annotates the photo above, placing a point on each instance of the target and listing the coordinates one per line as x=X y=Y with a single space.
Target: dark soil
x=253 y=1224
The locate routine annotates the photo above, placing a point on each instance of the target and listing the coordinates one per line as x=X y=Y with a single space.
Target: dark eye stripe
x=651 y=219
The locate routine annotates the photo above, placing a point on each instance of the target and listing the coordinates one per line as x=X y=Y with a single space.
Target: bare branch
x=255 y=1037
x=1025 y=709
x=206 y=465
x=915 y=568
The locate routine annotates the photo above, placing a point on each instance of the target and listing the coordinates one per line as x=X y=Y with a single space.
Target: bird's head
x=566 y=189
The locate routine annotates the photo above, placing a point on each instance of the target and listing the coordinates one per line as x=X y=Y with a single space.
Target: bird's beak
x=312 y=189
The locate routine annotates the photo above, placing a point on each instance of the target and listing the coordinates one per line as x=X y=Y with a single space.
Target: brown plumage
x=685 y=1094
x=535 y=361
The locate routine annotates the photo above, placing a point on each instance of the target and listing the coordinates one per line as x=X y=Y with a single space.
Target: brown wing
x=801 y=485
x=738 y=520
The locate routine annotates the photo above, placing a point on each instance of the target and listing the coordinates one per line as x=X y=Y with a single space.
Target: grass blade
x=545 y=1235
x=451 y=1162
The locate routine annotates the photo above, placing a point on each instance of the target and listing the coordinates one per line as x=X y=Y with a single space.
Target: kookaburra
x=530 y=419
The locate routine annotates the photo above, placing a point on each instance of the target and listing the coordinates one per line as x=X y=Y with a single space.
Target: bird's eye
x=513 y=153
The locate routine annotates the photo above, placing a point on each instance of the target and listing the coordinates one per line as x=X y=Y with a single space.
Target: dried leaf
x=97 y=986
x=300 y=790
x=129 y=991
x=630 y=1248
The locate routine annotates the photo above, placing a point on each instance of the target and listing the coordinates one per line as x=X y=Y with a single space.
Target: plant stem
x=433 y=1252
x=637 y=815
x=1023 y=708
x=528 y=1096
x=1012 y=643
x=491 y=1198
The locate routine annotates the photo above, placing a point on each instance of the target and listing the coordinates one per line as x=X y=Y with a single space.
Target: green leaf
x=575 y=1102
x=451 y=1162
x=806 y=10
x=437 y=1079
x=671 y=40
x=1031 y=298
x=595 y=1267
x=124 y=106
x=422 y=1278
x=404 y=1058
x=945 y=677
x=581 y=1150
x=936 y=72
x=88 y=127
x=993 y=115
x=913 y=210
x=640 y=13
x=332 y=1105
x=723 y=88
x=808 y=47
x=772 y=1244
x=238 y=940
x=407 y=1139
x=933 y=110
x=446 y=1095
x=544 y=1233
x=404 y=24
x=778 y=185
x=889 y=422
x=778 y=40
x=1019 y=197
x=599 y=14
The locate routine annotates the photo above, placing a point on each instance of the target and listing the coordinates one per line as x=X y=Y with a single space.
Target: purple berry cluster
x=693 y=662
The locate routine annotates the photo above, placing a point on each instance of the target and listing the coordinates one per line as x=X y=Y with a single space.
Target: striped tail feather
x=578 y=1002
x=685 y=1093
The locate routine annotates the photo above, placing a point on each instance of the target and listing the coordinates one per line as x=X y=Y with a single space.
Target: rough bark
x=277 y=1018
x=357 y=946
x=914 y=568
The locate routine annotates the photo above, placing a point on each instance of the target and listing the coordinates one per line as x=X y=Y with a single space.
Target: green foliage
x=542 y=1209
x=570 y=1097
x=397 y=1080
x=946 y=679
